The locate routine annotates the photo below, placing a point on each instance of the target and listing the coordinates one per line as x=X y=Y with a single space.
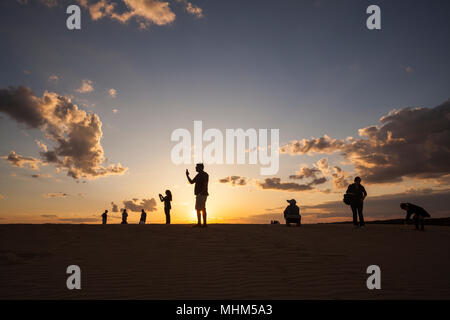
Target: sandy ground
x=223 y=261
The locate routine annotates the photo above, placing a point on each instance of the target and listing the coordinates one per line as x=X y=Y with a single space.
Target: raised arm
x=191 y=181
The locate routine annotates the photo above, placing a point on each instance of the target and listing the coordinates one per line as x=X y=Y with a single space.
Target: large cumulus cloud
x=410 y=142
x=75 y=133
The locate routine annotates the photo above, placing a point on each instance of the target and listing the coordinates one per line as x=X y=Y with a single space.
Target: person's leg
x=361 y=217
x=199 y=217
x=355 y=221
x=422 y=224
x=416 y=221
x=167 y=212
x=299 y=222
x=204 y=217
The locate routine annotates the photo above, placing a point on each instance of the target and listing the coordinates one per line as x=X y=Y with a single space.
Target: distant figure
x=358 y=194
x=143 y=217
x=124 y=216
x=200 y=191
x=274 y=222
x=419 y=214
x=105 y=217
x=292 y=213
x=167 y=199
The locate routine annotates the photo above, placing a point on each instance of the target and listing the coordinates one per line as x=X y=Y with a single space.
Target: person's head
x=292 y=202
x=199 y=167
x=106 y=211
x=142 y=211
x=404 y=206
x=169 y=194
x=357 y=180
x=124 y=211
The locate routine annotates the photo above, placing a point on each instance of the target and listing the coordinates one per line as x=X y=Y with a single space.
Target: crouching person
x=292 y=213
x=419 y=214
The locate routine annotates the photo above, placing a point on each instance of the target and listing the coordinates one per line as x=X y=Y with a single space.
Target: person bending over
x=419 y=214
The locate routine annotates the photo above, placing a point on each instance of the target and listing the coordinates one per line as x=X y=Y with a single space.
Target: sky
x=86 y=116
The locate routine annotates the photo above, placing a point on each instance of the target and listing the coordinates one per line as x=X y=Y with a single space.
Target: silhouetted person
x=358 y=193
x=105 y=217
x=419 y=214
x=200 y=191
x=124 y=216
x=292 y=213
x=143 y=217
x=167 y=199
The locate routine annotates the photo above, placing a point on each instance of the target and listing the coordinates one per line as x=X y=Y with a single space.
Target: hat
x=292 y=201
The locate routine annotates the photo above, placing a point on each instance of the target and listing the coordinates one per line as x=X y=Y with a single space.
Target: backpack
x=348 y=198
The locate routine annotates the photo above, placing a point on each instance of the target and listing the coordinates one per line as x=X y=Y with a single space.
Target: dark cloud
x=314 y=173
x=305 y=173
x=235 y=180
x=114 y=207
x=78 y=220
x=55 y=195
x=136 y=206
x=76 y=133
x=38 y=176
x=276 y=184
x=410 y=142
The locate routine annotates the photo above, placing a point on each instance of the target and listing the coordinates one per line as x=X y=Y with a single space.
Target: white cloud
x=112 y=93
x=53 y=78
x=86 y=86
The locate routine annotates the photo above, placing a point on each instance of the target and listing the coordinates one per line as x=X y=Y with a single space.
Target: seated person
x=292 y=213
x=419 y=214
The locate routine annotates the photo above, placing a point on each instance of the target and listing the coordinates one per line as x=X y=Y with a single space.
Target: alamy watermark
x=190 y=149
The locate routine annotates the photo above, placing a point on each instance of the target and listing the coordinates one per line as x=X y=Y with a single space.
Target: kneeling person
x=292 y=213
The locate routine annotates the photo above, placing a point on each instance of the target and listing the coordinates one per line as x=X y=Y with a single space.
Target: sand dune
x=223 y=261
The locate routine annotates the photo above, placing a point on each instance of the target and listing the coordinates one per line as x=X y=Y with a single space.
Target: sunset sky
x=86 y=115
